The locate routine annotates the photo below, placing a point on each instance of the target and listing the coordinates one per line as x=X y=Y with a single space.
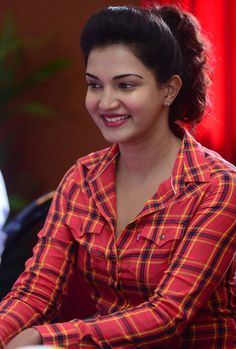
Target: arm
x=198 y=266
x=39 y=290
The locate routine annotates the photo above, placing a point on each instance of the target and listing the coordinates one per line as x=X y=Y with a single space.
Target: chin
x=116 y=137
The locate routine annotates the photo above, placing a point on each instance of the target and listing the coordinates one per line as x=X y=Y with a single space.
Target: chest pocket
x=88 y=231
x=154 y=250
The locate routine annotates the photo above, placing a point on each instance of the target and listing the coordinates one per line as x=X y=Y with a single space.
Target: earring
x=167 y=104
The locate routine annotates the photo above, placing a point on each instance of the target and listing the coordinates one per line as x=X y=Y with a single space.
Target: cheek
x=132 y=104
x=138 y=102
x=90 y=103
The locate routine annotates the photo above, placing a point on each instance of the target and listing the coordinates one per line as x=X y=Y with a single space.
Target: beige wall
x=43 y=148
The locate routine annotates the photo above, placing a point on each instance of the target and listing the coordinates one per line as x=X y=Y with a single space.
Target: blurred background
x=44 y=126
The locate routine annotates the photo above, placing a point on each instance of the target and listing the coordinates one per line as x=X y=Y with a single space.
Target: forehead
x=115 y=59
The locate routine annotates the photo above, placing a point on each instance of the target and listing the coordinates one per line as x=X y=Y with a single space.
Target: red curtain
x=218 y=20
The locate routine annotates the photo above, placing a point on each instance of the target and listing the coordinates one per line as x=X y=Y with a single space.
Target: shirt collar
x=109 y=155
x=190 y=165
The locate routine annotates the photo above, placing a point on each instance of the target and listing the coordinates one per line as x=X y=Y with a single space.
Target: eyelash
x=94 y=85
x=122 y=85
x=126 y=85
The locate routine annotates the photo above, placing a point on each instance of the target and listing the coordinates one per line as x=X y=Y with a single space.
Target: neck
x=142 y=160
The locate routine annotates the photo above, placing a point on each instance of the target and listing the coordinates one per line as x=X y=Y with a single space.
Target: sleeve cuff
x=66 y=334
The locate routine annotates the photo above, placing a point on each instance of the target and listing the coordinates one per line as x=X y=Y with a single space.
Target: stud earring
x=167 y=104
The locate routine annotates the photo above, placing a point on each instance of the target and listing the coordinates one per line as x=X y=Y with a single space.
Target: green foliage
x=17 y=202
x=12 y=47
x=13 y=86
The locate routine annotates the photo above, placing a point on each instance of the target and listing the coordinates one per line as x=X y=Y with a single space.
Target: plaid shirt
x=165 y=282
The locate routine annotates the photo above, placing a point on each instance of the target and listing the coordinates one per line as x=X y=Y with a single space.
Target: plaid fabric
x=165 y=282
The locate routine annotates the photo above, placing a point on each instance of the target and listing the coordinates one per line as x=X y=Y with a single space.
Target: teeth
x=117 y=118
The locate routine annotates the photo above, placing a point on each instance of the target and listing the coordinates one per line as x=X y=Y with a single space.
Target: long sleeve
x=166 y=279
x=40 y=289
x=197 y=267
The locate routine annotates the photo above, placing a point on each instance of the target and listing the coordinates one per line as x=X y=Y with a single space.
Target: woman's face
x=123 y=96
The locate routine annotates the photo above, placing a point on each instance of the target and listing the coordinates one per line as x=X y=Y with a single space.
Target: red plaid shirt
x=165 y=282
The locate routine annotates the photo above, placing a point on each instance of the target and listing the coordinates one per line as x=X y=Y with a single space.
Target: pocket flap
x=161 y=236
x=82 y=225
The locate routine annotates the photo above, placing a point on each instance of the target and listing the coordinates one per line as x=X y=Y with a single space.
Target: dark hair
x=168 y=41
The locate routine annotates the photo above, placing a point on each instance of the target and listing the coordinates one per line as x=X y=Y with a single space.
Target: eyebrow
x=117 y=77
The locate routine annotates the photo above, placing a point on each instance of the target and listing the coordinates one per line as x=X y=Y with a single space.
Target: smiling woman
x=149 y=221
x=125 y=100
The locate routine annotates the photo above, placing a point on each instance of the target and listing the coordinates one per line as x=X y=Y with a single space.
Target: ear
x=172 y=87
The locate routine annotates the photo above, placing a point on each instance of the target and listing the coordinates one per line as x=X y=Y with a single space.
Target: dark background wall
x=42 y=149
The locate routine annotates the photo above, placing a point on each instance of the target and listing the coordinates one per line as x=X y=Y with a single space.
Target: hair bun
x=194 y=47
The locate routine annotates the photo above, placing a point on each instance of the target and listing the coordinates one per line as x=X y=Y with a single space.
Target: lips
x=115 y=117
x=114 y=120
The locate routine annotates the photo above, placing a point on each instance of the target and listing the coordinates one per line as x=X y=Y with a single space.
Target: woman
x=149 y=221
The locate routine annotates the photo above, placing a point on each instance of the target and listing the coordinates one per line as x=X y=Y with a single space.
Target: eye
x=126 y=85
x=94 y=85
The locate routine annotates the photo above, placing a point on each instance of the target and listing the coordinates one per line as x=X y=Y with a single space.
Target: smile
x=114 y=120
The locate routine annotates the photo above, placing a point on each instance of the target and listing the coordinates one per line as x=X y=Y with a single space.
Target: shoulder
x=80 y=170
x=218 y=167
x=222 y=178
x=93 y=159
x=209 y=162
x=217 y=163
x=210 y=171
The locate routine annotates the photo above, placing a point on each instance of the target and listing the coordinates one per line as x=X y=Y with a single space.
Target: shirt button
x=161 y=236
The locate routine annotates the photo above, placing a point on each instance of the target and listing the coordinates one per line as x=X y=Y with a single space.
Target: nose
x=108 y=100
